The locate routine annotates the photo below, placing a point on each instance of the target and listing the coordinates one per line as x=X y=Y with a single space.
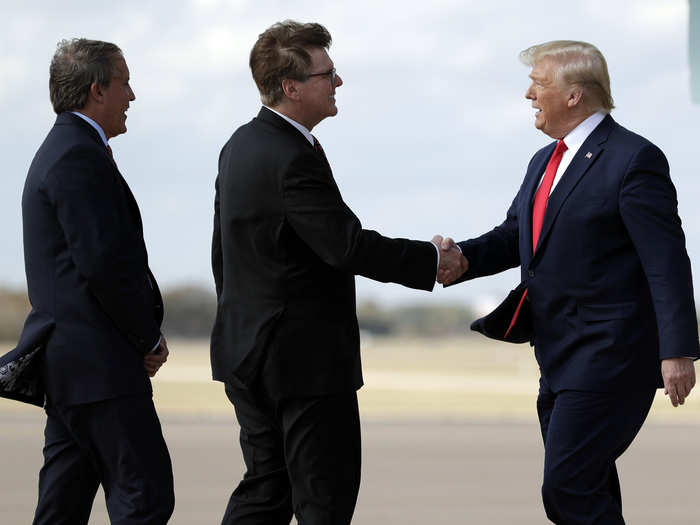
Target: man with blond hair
x=606 y=296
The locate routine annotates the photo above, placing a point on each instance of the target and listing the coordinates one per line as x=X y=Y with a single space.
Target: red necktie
x=538 y=209
x=109 y=148
x=540 y=204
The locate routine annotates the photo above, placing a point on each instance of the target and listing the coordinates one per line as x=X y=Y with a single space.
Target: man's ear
x=575 y=97
x=291 y=88
x=95 y=93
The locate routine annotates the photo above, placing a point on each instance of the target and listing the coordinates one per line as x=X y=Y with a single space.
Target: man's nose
x=529 y=94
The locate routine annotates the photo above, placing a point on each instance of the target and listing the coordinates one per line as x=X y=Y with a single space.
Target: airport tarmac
x=414 y=472
x=450 y=436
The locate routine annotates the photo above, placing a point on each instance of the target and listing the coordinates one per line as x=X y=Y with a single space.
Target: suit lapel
x=133 y=206
x=325 y=160
x=580 y=164
x=68 y=118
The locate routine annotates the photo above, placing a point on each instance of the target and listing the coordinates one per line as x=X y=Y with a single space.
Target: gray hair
x=76 y=65
x=580 y=64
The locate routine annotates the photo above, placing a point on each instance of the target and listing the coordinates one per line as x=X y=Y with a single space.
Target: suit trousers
x=116 y=442
x=584 y=433
x=302 y=457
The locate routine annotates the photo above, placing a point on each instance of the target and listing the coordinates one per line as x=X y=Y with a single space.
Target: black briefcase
x=495 y=324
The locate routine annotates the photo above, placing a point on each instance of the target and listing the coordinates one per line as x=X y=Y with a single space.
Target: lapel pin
x=589 y=155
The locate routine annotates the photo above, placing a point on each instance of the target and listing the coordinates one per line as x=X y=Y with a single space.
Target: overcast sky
x=433 y=132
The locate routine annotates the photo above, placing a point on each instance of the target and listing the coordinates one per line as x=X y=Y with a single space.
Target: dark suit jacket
x=96 y=308
x=610 y=287
x=284 y=254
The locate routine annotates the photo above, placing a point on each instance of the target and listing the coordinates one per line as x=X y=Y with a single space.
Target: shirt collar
x=94 y=125
x=580 y=133
x=294 y=123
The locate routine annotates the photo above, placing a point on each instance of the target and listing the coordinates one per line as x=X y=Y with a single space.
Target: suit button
x=531 y=273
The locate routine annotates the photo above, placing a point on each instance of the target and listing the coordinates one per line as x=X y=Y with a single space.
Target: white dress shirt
x=573 y=141
x=94 y=125
x=302 y=129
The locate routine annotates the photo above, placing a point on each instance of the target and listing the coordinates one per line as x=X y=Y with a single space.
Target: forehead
x=320 y=58
x=544 y=69
x=120 y=68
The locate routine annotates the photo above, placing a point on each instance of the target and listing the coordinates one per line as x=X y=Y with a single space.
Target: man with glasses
x=285 y=252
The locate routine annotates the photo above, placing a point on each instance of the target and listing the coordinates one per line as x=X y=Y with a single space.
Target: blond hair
x=577 y=63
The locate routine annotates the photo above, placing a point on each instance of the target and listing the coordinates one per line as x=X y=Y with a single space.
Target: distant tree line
x=414 y=319
x=190 y=312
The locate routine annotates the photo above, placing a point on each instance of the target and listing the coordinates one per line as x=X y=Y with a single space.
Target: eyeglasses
x=331 y=74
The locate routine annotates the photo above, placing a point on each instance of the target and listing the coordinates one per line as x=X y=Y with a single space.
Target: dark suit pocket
x=607 y=312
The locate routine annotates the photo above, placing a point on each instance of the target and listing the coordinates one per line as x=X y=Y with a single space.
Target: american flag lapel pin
x=589 y=155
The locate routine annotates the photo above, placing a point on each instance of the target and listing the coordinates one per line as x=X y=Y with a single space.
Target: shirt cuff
x=437 y=249
x=153 y=351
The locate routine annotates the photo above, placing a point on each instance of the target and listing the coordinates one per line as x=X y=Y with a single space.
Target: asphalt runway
x=414 y=472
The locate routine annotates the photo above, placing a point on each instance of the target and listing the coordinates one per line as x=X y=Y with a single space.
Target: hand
x=154 y=360
x=679 y=378
x=452 y=263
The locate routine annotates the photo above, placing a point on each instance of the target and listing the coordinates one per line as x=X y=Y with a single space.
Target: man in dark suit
x=96 y=308
x=285 y=251
x=609 y=294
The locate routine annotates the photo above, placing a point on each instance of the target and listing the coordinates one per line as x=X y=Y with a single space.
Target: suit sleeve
x=216 y=252
x=103 y=243
x=317 y=213
x=649 y=210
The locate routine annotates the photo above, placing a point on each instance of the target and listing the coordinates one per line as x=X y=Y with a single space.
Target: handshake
x=452 y=263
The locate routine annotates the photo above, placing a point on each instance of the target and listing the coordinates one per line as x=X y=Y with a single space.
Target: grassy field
x=447 y=379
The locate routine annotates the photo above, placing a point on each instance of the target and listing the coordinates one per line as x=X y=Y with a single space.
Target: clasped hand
x=155 y=359
x=452 y=263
